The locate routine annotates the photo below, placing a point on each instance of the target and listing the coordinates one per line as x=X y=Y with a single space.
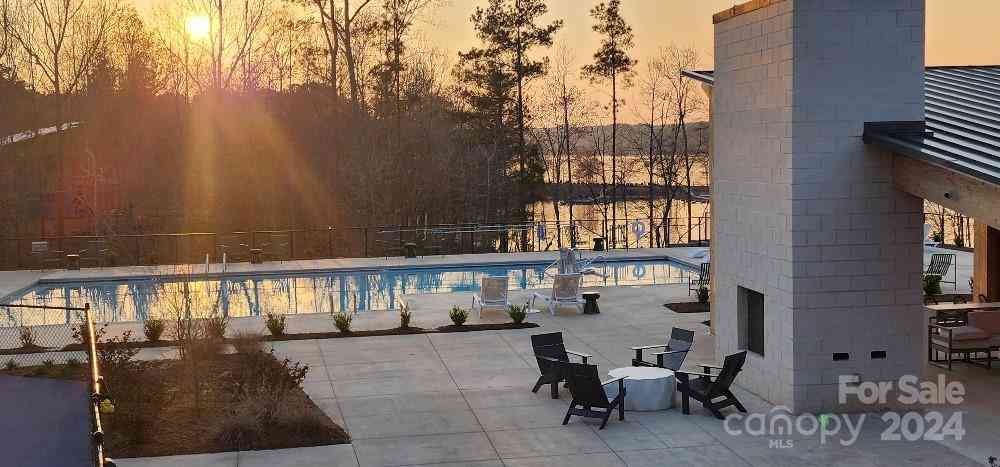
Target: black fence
x=330 y=242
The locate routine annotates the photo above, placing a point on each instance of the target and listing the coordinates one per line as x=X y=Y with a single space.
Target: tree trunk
x=614 y=159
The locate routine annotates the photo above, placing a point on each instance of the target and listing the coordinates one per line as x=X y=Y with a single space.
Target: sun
x=198 y=27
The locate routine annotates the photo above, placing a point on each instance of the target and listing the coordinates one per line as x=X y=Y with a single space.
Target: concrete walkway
x=465 y=400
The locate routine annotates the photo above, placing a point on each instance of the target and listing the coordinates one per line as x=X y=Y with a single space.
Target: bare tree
x=62 y=39
x=686 y=102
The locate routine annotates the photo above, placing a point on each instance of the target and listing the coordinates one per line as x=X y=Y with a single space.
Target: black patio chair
x=706 y=387
x=549 y=347
x=675 y=350
x=588 y=393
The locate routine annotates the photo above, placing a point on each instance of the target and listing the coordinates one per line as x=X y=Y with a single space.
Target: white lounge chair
x=492 y=294
x=565 y=292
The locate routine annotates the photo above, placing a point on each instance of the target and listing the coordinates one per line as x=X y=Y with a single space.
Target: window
x=751 y=315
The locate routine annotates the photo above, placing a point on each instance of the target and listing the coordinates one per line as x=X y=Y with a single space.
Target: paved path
x=44 y=423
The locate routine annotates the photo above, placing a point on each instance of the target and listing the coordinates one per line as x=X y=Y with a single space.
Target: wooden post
x=986 y=272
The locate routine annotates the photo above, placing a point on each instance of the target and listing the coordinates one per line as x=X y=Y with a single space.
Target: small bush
x=404 y=317
x=938 y=237
x=153 y=329
x=10 y=365
x=48 y=363
x=932 y=285
x=27 y=337
x=80 y=332
x=458 y=315
x=74 y=363
x=275 y=324
x=517 y=313
x=703 y=294
x=343 y=321
x=216 y=326
x=248 y=342
x=116 y=355
x=959 y=241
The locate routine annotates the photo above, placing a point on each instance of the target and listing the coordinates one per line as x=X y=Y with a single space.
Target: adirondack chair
x=589 y=397
x=549 y=352
x=492 y=294
x=703 y=280
x=712 y=390
x=565 y=292
x=675 y=350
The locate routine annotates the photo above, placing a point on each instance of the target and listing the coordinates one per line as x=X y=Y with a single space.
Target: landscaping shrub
x=275 y=324
x=247 y=342
x=48 y=363
x=517 y=313
x=938 y=237
x=74 y=363
x=343 y=321
x=27 y=337
x=153 y=329
x=116 y=355
x=139 y=400
x=404 y=317
x=10 y=365
x=80 y=332
x=932 y=285
x=458 y=315
x=216 y=326
x=703 y=294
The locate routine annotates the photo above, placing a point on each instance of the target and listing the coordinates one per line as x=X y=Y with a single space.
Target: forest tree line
x=215 y=115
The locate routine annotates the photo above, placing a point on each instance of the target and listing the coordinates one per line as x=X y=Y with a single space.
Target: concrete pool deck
x=465 y=400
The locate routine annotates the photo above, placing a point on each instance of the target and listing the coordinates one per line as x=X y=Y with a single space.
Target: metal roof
x=962 y=121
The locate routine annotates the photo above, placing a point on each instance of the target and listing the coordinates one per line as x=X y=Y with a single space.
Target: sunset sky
x=959 y=32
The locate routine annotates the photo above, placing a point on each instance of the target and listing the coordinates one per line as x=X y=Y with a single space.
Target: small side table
x=73 y=262
x=646 y=388
x=590 y=306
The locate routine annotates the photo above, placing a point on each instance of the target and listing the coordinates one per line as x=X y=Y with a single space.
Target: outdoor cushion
x=966 y=333
x=965 y=344
x=988 y=321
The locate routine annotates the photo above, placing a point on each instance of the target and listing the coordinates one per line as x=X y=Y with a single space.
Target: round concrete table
x=646 y=388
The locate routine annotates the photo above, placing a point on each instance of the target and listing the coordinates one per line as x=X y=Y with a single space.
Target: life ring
x=639 y=271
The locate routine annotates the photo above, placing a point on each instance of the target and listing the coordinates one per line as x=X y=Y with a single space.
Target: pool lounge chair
x=939 y=266
x=703 y=280
x=565 y=292
x=492 y=294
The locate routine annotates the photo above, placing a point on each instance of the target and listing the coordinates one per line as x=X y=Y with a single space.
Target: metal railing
x=332 y=242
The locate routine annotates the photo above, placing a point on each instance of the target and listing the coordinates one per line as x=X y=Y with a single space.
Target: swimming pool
x=332 y=291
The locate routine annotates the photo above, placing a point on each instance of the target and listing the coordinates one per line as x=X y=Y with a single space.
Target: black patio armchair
x=550 y=349
x=712 y=390
x=589 y=398
x=675 y=350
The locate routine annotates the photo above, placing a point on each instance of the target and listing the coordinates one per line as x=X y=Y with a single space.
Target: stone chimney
x=806 y=219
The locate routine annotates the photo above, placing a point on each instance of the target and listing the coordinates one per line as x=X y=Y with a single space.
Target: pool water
x=236 y=296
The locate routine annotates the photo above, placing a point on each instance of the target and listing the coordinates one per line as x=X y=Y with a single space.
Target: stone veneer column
x=803 y=211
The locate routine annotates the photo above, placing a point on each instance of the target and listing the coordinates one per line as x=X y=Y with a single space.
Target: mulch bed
x=294 y=337
x=178 y=428
x=689 y=307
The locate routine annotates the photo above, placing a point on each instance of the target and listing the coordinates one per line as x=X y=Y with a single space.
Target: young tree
x=494 y=76
x=612 y=63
